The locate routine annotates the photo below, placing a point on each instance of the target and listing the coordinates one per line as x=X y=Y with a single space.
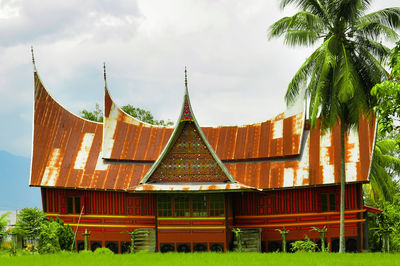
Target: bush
x=105 y=251
x=85 y=252
x=48 y=238
x=305 y=245
x=65 y=235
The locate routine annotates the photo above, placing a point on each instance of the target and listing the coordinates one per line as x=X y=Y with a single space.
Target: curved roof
x=70 y=152
x=127 y=138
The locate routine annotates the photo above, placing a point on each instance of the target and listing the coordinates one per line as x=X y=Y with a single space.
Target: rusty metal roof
x=71 y=152
x=127 y=138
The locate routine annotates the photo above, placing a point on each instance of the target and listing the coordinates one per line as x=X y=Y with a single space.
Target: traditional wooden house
x=189 y=186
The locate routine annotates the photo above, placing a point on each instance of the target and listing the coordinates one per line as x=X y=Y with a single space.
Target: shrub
x=65 y=235
x=48 y=238
x=85 y=252
x=305 y=245
x=105 y=251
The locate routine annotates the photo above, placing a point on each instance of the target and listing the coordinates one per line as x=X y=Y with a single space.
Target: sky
x=235 y=74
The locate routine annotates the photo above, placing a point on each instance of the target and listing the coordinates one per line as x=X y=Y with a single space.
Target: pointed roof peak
x=187 y=123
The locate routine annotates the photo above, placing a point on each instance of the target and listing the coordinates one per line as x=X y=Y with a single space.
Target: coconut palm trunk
x=342 y=242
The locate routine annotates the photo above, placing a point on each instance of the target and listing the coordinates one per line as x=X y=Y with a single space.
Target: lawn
x=206 y=259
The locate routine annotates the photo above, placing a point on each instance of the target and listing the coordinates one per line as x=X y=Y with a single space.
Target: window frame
x=73 y=207
x=172 y=206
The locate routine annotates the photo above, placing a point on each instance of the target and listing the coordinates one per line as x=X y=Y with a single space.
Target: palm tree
x=385 y=166
x=340 y=73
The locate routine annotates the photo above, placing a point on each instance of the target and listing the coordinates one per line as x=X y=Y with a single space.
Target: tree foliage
x=385 y=224
x=141 y=114
x=48 y=238
x=144 y=115
x=65 y=235
x=29 y=222
x=96 y=115
x=3 y=225
x=387 y=94
x=55 y=236
x=339 y=75
x=385 y=168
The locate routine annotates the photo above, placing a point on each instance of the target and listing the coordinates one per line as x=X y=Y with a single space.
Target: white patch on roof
x=277 y=130
x=353 y=146
x=83 y=153
x=288 y=176
x=351 y=172
x=328 y=173
x=52 y=169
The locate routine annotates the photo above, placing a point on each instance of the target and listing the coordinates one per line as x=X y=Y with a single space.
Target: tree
x=141 y=114
x=96 y=115
x=3 y=225
x=387 y=94
x=339 y=74
x=385 y=227
x=29 y=222
x=144 y=116
x=384 y=168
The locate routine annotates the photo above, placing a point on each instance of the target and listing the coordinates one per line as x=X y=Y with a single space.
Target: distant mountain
x=15 y=192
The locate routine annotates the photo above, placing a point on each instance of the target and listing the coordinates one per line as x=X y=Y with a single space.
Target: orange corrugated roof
x=68 y=151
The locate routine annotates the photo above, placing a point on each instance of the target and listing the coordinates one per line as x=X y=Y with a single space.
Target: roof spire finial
x=185 y=78
x=104 y=69
x=33 y=59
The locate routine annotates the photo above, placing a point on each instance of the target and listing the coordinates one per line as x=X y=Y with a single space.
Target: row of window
x=196 y=205
x=191 y=205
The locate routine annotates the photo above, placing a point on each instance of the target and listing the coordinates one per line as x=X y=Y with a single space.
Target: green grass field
x=205 y=259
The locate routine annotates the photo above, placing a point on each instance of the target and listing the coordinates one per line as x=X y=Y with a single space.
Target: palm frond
x=384 y=165
x=313 y=6
x=387 y=145
x=346 y=79
x=301 y=76
x=305 y=20
x=376 y=30
x=347 y=10
x=370 y=67
x=311 y=92
x=301 y=37
x=389 y=17
x=299 y=25
x=380 y=51
x=279 y=27
x=328 y=63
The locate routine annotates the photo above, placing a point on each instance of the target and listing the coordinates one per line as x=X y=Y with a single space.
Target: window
x=164 y=205
x=196 y=205
x=74 y=204
x=199 y=205
x=328 y=202
x=217 y=205
x=181 y=206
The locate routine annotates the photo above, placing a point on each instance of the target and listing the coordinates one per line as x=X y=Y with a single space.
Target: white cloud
x=236 y=75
